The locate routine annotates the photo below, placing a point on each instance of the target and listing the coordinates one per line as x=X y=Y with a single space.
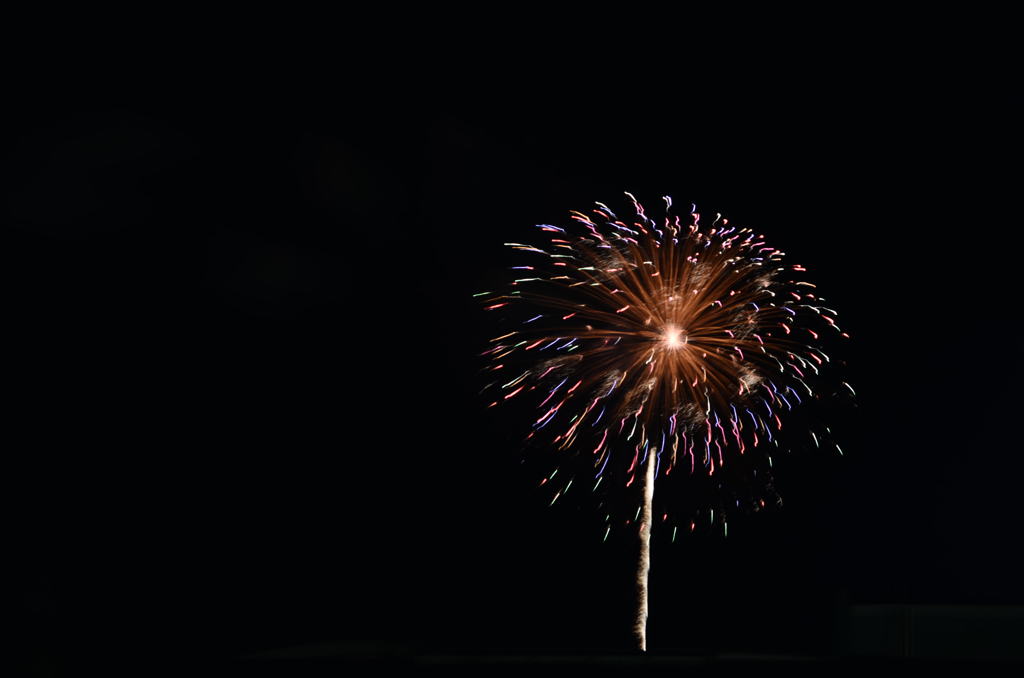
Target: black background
x=242 y=369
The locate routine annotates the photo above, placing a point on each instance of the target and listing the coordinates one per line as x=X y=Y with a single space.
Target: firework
x=662 y=352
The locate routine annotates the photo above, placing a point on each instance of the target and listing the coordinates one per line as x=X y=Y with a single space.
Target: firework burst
x=662 y=351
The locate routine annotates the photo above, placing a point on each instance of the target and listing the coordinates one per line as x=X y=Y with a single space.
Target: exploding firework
x=663 y=352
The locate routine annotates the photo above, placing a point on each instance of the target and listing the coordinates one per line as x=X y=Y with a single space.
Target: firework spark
x=662 y=351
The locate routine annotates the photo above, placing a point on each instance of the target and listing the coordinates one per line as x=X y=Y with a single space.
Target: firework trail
x=662 y=351
x=644 y=564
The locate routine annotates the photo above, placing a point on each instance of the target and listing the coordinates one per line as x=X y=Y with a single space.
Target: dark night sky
x=242 y=381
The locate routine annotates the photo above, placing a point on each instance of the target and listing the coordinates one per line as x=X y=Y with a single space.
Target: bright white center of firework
x=674 y=337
